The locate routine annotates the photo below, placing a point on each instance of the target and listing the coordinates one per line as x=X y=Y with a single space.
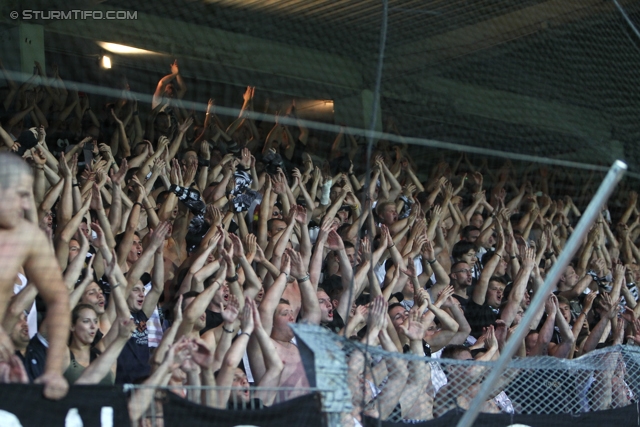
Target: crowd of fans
x=188 y=246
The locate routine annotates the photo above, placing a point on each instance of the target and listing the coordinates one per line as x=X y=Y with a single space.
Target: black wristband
x=138 y=203
x=432 y=261
x=232 y=278
x=227 y=331
x=304 y=278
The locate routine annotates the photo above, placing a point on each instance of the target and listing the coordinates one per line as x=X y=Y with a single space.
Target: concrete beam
x=492 y=32
x=222 y=48
x=356 y=110
x=25 y=43
x=237 y=59
x=504 y=106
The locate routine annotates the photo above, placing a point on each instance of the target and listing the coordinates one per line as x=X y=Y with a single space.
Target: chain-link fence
x=405 y=387
x=368 y=383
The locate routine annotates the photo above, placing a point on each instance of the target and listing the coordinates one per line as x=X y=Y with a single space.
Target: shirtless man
x=276 y=315
x=23 y=244
x=464 y=381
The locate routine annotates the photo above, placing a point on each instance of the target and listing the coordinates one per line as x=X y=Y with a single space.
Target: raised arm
x=430 y=261
x=138 y=268
x=99 y=368
x=72 y=273
x=252 y=283
x=317 y=258
x=285 y=236
x=77 y=293
x=103 y=220
x=162 y=84
x=608 y=311
x=508 y=313
x=396 y=188
x=563 y=349
x=273 y=294
x=19 y=304
x=480 y=291
x=449 y=327
x=115 y=212
x=123 y=140
x=546 y=332
x=233 y=357
x=334 y=243
x=132 y=223
x=200 y=303
x=117 y=306
x=169 y=335
x=141 y=398
x=43 y=270
x=310 y=312
x=157 y=279
x=398 y=375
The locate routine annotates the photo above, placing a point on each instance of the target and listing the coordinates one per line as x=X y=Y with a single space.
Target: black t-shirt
x=213 y=321
x=133 y=362
x=35 y=358
x=463 y=301
x=557 y=387
x=97 y=338
x=479 y=316
x=336 y=324
x=406 y=349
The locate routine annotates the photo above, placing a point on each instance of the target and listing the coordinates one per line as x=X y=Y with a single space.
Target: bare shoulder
x=210 y=338
x=33 y=237
x=40 y=263
x=17 y=245
x=21 y=238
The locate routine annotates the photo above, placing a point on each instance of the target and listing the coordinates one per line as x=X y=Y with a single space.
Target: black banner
x=94 y=406
x=302 y=411
x=626 y=416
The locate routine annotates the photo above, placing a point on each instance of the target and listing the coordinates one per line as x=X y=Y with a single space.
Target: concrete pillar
x=21 y=46
x=355 y=111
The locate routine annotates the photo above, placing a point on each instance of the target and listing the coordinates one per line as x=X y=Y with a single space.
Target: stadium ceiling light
x=316 y=104
x=125 y=50
x=105 y=62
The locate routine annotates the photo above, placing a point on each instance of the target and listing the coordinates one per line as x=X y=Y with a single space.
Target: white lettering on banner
x=106 y=416
x=73 y=419
x=7 y=419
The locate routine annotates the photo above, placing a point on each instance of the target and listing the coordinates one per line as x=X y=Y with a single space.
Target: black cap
x=27 y=140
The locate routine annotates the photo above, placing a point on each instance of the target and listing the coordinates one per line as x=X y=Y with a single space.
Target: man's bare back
x=23 y=244
x=15 y=247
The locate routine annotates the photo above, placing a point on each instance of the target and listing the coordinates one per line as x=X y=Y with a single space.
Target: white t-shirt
x=32 y=317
